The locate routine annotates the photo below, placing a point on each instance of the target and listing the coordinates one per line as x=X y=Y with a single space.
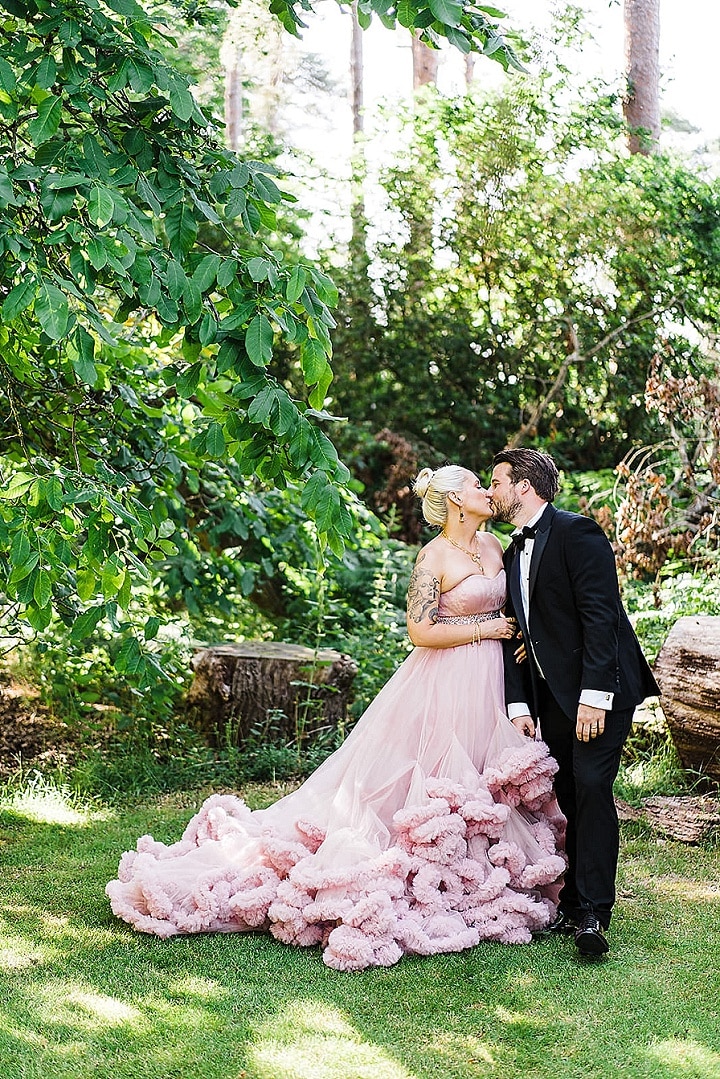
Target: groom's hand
x=525 y=725
x=590 y=722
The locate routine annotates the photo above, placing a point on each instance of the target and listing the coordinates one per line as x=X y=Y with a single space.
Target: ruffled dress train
x=433 y=827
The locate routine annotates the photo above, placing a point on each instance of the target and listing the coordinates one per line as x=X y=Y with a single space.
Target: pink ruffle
x=523 y=777
x=448 y=879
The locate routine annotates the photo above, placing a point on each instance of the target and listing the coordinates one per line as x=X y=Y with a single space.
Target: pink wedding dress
x=433 y=827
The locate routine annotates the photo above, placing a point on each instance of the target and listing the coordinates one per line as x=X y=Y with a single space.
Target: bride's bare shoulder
x=490 y=542
x=431 y=553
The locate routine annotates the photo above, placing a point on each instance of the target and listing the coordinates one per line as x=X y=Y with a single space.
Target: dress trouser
x=584 y=788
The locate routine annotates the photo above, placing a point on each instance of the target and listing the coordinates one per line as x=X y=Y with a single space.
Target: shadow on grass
x=82 y=995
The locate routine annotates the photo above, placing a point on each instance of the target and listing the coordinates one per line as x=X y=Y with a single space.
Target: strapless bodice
x=474 y=595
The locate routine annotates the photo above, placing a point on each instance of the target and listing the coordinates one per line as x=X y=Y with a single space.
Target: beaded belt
x=466 y=619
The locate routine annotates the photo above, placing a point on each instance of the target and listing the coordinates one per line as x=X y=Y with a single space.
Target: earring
x=462 y=515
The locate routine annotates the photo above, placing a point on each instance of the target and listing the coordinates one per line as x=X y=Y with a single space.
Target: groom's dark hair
x=537 y=468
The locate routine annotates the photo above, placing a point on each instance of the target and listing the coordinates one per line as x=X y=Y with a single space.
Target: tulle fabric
x=433 y=827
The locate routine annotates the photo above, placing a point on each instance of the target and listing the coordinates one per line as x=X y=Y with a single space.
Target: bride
x=433 y=826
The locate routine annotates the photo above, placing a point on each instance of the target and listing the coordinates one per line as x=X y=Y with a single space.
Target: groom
x=584 y=675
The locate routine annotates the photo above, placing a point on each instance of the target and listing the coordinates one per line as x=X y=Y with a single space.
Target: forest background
x=225 y=362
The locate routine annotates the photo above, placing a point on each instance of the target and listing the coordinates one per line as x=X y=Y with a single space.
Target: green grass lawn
x=83 y=995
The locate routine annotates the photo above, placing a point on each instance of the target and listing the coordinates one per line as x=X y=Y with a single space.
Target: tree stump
x=268 y=689
x=688 y=671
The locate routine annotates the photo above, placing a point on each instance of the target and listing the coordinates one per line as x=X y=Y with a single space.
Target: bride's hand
x=499 y=629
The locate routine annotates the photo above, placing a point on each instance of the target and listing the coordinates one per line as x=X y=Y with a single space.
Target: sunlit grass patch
x=44 y=801
x=685 y=1059
x=311 y=1041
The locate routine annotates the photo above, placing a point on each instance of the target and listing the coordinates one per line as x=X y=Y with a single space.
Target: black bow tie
x=519 y=538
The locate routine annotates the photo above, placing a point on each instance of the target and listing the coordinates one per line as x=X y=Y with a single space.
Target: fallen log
x=688 y=672
x=686 y=818
x=270 y=690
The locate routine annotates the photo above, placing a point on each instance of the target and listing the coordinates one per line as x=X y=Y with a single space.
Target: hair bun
x=422 y=482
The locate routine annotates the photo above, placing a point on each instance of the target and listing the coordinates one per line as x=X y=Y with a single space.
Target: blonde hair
x=434 y=486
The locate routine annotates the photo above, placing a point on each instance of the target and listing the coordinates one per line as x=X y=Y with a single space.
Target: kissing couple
x=473 y=799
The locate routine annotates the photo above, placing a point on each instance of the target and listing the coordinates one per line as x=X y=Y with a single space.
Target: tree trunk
x=425 y=64
x=356 y=73
x=233 y=95
x=688 y=672
x=275 y=691
x=642 y=59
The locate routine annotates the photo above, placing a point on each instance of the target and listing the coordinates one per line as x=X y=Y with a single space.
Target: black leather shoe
x=590 y=936
x=562 y=923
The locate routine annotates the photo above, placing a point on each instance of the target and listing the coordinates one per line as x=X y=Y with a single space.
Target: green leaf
x=296 y=283
x=208 y=329
x=112 y=578
x=259 y=340
x=406 y=13
x=182 y=103
x=97 y=253
x=127 y=7
x=53 y=495
x=258 y=268
x=38 y=617
x=46 y=72
x=51 y=308
x=85 y=623
x=86 y=371
x=18 y=299
x=86 y=583
x=301 y=441
x=285 y=416
x=187 y=382
x=181 y=229
x=313 y=490
x=326 y=288
x=22 y=571
x=100 y=206
x=7 y=192
x=7 y=77
x=19 y=549
x=227 y=272
x=239 y=175
x=192 y=301
x=449 y=12
x=459 y=39
x=129 y=657
x=206 y=271
x=47 y=121
x=20 y=483
x=267 y=189
x=151 y=627
x=42 y=589
x=215 y=440
x=313 y=360
x=176 y=279
x=261 y=406
x=327 y=508
x=317 y=397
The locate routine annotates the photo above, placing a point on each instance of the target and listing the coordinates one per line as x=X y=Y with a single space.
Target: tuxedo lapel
x=541 y=537
x=513 y=586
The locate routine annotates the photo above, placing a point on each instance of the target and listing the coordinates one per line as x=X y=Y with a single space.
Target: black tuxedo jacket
x=579 y=631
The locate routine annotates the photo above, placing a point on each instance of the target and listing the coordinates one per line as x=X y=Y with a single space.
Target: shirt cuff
x=597 y=699
x=515 y=710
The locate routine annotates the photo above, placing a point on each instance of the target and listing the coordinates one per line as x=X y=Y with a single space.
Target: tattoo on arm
x=423 y=593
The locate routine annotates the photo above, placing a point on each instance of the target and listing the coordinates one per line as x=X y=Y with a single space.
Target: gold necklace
x=475 y=557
